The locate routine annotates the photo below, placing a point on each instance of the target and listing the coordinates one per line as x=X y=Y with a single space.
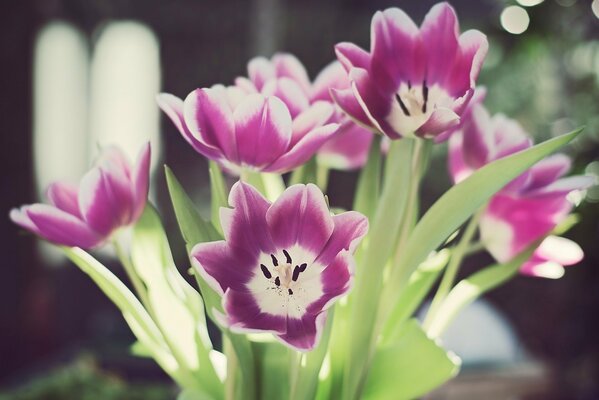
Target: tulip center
x=285 y=274
x=413 y=105
x=412 y=101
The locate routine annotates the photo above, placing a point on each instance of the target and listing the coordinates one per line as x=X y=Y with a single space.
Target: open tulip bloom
x=312 y=301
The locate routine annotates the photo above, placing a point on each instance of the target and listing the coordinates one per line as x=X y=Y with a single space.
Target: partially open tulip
x=282 y=264
x=249 y=131
x=111 y=195
x=284 y=76
x=414 y=81
x=530 y=206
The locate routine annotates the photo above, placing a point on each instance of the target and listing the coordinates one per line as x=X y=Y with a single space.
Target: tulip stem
x=138 y=285
x=458 y=254
x=232 y=364
x=322 y=177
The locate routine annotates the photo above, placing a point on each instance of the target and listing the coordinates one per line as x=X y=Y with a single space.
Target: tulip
x=110 y=196
x=282 y=264
x=414 y=81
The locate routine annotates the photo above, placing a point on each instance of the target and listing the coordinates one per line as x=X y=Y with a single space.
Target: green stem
x=322 y=177
x=474 y=248
x=458 y=254
x=138 y=286
x=232 y=365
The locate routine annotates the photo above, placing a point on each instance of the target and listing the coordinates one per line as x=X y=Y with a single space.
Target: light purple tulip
x=249 y=131
x=281 y=265
x=414 y=81
x=530 y=206
x=110 y=196
x=284 y=76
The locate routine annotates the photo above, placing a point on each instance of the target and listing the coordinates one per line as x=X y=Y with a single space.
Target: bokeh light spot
x=514 y=19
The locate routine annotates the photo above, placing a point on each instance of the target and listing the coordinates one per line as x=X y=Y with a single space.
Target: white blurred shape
x=595 y=8
x=514 y=19
x=125 y=78
x=60 y=137
x=60 y=73
x=481 y=335
x=529 y=3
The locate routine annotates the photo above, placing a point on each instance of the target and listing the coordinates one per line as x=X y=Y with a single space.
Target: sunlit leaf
x=409 y=367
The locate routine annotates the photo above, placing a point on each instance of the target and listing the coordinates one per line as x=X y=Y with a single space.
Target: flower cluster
x=276 y=259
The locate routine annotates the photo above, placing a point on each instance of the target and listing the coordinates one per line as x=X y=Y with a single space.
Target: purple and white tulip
x=414 y=81
x=284 y=76
x=282 y=264
x=110 y=196
x=530 y=206
x=249 y=131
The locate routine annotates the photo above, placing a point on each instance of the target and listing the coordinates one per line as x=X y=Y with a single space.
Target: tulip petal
x=346 y=100
x=396 y=48
x=305 y=148
x=103 y=201
x=350 y=56
x=303 y=334
x=141 y=181
x=350 y=228
x=290 y=92
x=333 y=76
x=223 y=267
x=263 y=129
x=439 y=121
x=336 y=280
x=260 y=70
x=473 y=47
x=64 y=197
x=244 y=314
x=440 y=30
x=560 y=250
x=288 y=66
x=347 y=149
x=173 y=108
x=245 y=226
x=301 y=216
x=548 y=170
x=209 y=118
x=61 y=227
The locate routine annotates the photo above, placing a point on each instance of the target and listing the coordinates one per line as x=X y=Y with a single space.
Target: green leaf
x=195 y=230
x=412 y=296
x=177 y=308
x=218 y=194
x=193 y=395
x=306 y=383
x=193 y=227
x=272 y=361
x=463 y=199
x=376 y=250
x=138 y=319
x=369 y=182
x=410 y=367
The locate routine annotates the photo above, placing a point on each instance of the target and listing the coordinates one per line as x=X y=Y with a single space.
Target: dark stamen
x=296 y=272
x=402 y=105
x=277 y=281
x=424 y=95
x=265 y=271
x=409 y=85
x=275 y=262
x=287 y=256
x=289 y=291
x=302 y=267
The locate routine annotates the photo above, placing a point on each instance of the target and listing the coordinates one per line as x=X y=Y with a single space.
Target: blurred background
x=81 y=74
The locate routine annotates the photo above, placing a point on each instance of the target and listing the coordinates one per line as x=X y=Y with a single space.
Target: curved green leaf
x=410 y=367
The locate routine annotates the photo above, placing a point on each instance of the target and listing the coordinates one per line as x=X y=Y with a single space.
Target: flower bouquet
x=314 y=302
